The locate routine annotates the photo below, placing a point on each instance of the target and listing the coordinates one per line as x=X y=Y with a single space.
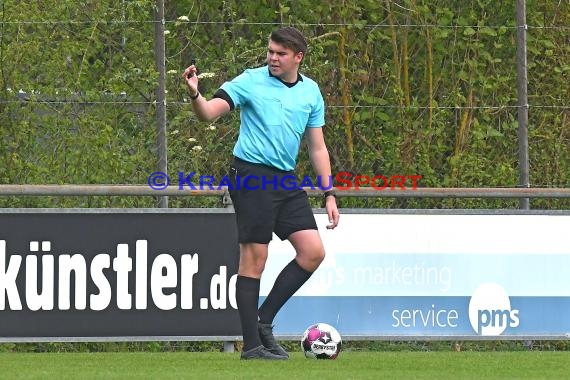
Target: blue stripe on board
x=417 y=316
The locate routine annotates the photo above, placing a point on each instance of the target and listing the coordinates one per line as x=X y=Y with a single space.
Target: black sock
x=291 y=278
x=247 y=297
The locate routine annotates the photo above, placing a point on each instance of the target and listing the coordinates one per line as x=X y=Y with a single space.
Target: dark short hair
x=291 y=38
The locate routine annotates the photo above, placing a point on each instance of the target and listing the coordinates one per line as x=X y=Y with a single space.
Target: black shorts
x=265 y=202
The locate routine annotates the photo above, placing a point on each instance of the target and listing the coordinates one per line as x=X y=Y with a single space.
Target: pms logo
x=490 y=310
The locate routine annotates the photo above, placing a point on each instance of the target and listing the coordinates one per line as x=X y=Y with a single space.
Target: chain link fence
x=410 y=90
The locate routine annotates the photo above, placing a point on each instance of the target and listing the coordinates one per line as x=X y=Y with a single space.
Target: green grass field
x=349 y=365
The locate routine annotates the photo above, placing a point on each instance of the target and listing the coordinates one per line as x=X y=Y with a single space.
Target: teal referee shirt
x=273 y=116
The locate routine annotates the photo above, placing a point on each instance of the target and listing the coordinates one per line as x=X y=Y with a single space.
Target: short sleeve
x=317 y=116
x=238 y=88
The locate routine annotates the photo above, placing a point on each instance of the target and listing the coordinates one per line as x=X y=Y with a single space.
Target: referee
x=278 y=106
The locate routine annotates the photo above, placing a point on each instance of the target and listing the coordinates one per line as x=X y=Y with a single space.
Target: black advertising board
x=118 y=273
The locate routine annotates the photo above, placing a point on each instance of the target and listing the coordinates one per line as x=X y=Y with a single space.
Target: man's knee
x=309 y=248
x=253 y=257
x=318 y=255
x=310 y=259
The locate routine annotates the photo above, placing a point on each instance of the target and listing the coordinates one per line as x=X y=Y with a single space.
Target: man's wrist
x=195 y=96
x=329 y=193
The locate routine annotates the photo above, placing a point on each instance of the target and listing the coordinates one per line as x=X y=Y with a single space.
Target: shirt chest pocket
x=272 y=111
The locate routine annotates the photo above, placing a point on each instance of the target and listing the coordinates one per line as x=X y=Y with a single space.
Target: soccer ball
x=321 y=341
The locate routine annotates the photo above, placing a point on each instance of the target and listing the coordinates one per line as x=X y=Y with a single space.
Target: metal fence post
x=160 y=57
x=522 y=113
x=227 y=202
